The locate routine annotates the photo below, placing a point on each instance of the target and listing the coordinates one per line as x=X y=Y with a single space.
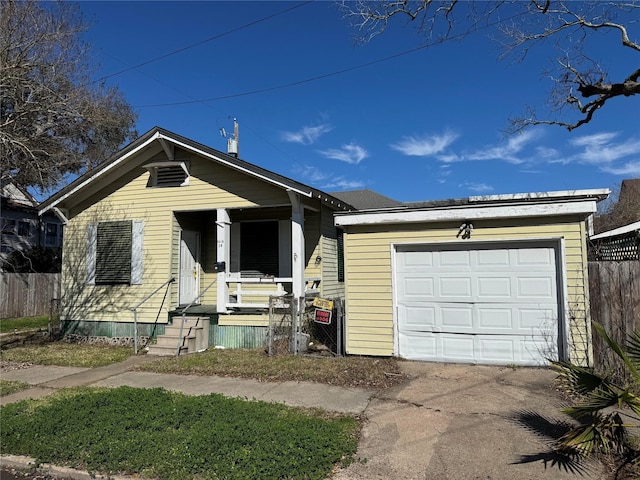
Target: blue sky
x=418 y=126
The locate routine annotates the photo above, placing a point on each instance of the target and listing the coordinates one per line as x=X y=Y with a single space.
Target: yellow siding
x=211 y=186
x=369 y=274
x=330 y=287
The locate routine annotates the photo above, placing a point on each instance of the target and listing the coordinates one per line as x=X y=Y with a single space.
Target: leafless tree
x=53 y=119
x=581 y=83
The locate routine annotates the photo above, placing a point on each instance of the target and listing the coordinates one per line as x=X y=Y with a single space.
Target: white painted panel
x=454 y=258
x=421 y=287
x=419 y=346
x=495 y=318
x=497 y=349
x=418 y=318
x=458 y=347
x=458 y=318
x=477 y=304
x=455 y=287
x=418 y=259
x=497 y=257
x=189 y=277
x=494 y=287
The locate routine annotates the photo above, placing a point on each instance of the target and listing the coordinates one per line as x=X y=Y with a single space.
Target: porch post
x=297 y=244
x=223 y=248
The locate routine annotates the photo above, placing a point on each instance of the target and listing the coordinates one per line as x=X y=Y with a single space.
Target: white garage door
x=489 y=304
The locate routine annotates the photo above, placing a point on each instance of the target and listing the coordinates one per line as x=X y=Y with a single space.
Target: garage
x=491 y=279
x=489 y=303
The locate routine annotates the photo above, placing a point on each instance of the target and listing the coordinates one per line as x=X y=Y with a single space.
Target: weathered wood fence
x=614 y=290
x=27 y=294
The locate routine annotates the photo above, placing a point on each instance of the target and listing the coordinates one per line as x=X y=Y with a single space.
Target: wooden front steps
x=195 y=337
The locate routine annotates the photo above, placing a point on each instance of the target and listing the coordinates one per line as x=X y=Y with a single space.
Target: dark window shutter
x=113 y=253
x=259 y=249
x=340 y=256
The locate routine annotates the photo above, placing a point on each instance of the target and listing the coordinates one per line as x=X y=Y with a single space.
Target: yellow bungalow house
x=499 y=279
x=168 y=222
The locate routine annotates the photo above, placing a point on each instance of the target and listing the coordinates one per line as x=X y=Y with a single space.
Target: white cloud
x=341 y=183
x=310 y=174
x=350 y=153
x=630 y=169
x=426 y=146
x=326 y=180
x=599 y=149
x=507 y=152
x=477 y=187
x=306 y=135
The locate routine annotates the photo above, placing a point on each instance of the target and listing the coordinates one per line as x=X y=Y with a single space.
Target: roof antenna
x=232 y=141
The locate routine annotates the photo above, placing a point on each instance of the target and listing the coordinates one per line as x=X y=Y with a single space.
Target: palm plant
x=607 y=408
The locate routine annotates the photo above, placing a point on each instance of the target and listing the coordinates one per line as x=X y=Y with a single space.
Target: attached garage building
x=493 y=280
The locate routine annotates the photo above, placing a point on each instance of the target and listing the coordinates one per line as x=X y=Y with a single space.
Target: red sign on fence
x=322 y=316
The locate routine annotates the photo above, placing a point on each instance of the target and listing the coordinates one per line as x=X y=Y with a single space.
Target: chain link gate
x=305 y=326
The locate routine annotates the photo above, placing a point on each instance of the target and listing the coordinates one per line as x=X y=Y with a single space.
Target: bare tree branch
x=54 y=120
x=526 y=25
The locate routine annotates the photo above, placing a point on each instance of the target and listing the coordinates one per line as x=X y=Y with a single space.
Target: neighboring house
x=230 y=233
x=21 y=226
x=498 y=279
x=619 y=244
x=625 y=211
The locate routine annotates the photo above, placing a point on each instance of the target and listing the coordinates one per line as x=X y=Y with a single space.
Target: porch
x=235 y=259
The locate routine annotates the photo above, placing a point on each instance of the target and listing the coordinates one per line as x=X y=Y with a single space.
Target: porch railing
x=259 y=287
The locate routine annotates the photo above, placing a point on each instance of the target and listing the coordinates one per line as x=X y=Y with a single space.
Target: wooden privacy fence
x=614 y=290
x=27 y=294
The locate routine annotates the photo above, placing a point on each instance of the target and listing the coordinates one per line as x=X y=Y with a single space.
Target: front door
x=189 y=267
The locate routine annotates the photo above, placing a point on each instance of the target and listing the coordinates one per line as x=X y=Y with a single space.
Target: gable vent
x=168 y=174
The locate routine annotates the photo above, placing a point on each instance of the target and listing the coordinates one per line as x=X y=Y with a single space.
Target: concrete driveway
x=453 y=422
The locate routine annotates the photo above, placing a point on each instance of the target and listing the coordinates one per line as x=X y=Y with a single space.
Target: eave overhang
x=168 y=142
x=582 y=204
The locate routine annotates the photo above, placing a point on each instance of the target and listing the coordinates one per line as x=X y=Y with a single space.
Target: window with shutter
x=113 y=253
x=259 y=253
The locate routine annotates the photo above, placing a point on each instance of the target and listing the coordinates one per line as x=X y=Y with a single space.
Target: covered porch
x=234 y=259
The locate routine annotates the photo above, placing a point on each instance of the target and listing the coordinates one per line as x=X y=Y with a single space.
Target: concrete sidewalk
x=447 y=422
x=46 y=379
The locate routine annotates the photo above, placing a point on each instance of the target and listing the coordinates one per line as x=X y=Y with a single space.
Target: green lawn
x=8 y=387
x=156 y=433
x=26 y=323
x=159 y=434
x=67 y=354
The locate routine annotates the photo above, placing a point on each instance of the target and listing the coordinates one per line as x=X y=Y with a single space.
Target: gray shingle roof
x=366 y=199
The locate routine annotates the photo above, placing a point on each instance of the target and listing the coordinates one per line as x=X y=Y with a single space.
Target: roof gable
x=164 y=140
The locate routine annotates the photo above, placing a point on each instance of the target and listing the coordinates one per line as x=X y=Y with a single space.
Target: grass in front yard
x=8 y=387
x=8 y=325
x=67 y=354
x=160 y=434
x=363 y=372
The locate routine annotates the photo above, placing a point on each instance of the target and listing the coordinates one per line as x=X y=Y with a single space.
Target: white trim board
x=468 y=212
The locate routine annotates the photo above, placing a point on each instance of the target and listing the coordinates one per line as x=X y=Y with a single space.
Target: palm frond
x=633 y=351
x=617 y=349
x=576 y=379
x=595 y=401
x=605 y=433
